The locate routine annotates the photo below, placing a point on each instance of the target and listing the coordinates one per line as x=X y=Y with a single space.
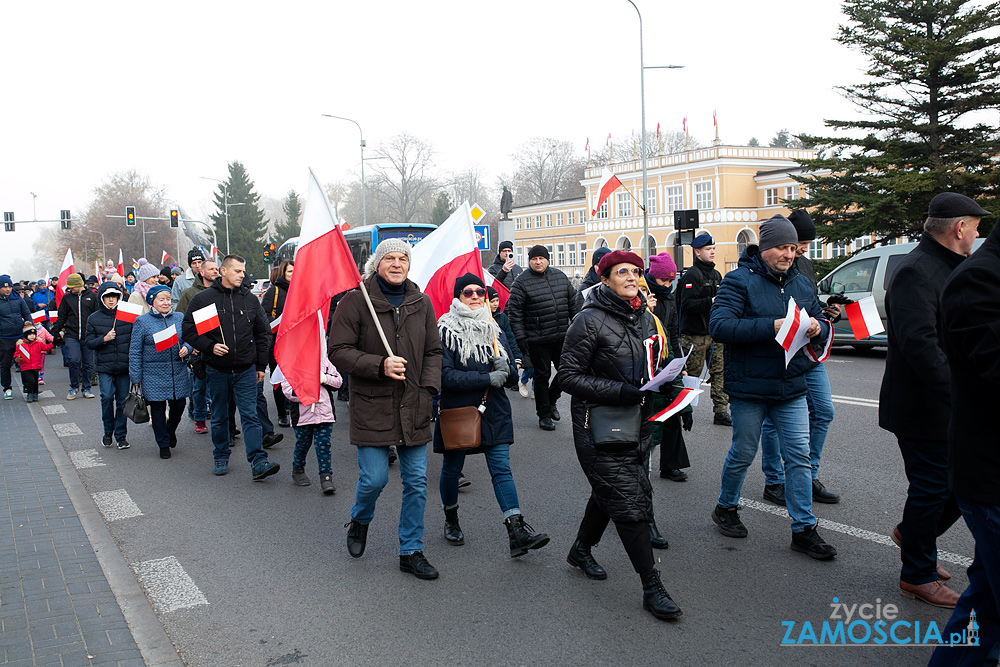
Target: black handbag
x=614 y=427
x=135 y=407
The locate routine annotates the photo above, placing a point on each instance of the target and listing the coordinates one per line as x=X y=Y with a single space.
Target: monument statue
x=506 y=203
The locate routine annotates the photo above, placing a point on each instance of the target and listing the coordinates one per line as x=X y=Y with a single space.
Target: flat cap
x=954 y=205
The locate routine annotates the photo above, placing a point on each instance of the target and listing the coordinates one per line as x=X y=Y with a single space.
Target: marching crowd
x=445 y=380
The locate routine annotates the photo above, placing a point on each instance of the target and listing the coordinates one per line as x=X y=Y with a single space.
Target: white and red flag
x=166 y=339
x=53 y=315
x=864 y=318
x=329 y=269
x=792 y=334
x=275 y=323
x=127 y=312
x=121 y=264
x=587 y=146
x=163 y=260
x=657 y=131
x=607 y=142
x=67 y=268
x=683 y=399
x=443 y=256
x=502 y=290
x=684 y=124
x=609 y=183
x=38 y=316
x=24 y=352
x=206 y=319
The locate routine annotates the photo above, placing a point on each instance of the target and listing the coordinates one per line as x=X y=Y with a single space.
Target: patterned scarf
x=470 y=333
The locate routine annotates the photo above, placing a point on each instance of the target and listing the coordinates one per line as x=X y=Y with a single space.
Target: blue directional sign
x=483 y=237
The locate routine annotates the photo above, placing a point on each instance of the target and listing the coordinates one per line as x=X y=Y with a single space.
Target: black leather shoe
x=656 y=540
x=521 y=536
x=821 y=494
x=674 y=475
x=283 y=421
x=271 y=439
x=655 y=598
x=775 y=493
x=452 y=529
x=810 y=543
x=417 y=565
x=722 y=419
x=546 y=424
x=164 y=452
x=357 y=537
x=555 y=414
x=580 y=556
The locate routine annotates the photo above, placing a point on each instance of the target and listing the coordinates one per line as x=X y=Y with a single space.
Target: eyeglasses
x=623 y=272
x=467 y=293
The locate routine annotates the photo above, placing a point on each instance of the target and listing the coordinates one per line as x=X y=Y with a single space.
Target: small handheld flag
x=166 y=339
x=275 y=323
x=864 y=318
x=24 y=352
x=38 y=316
x=127 y=312
x=206 y=319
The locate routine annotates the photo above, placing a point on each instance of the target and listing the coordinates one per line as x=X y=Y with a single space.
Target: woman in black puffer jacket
x=273 y=303
x=110 y=339
x=604 y=362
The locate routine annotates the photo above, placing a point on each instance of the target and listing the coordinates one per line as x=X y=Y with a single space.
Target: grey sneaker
x=326 y=483
x=88 y=394
x=299 y=477
x=71 y=395
x=221 y=468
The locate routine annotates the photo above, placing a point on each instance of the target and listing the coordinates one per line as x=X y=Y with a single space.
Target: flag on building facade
x=609 y=183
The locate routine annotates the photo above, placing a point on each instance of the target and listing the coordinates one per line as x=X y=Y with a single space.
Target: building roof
x=553 y=201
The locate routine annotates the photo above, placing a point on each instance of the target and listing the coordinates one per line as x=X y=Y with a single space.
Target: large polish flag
x=121 y=264
x=67 y=268
x=324 y=267
x=206 y=319
x=864 y=318
x=444 y=255
x=609 y=183
x=166 y=339
x=127 y=312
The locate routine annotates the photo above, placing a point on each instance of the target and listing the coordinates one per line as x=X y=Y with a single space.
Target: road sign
x=477 y=212
x=483 y=237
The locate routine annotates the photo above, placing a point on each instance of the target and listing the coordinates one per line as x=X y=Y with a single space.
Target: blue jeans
x=265 y=421
x=199 y=398
x=498 y=462
x=243 y=386
x=373 y=475
x=820 y=416
x=79 y=355
x=114 y=391
x=982 y=593
x=791 y=420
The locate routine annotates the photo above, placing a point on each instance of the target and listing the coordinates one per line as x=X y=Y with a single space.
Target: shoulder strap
x=274 y=306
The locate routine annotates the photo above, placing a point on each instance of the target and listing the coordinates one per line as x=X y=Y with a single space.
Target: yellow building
x=734 y=188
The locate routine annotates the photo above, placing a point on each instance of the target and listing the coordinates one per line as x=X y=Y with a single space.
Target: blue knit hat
x=5 y=281
x=153 y=291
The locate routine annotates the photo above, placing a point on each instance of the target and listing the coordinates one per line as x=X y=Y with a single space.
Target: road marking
x=115 y=505
x=66 y=430
x=86 y=458
x=854 y=400
x=56 y=409
x=46 y=394
x=168 y=585
x=861 y=533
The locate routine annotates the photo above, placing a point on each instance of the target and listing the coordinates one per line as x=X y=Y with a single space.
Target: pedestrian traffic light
x=8 y=221
x=174 y=222
x=130 y=216
x=64 y=219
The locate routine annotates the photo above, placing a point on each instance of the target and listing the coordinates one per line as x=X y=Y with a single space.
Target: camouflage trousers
x=708 y=352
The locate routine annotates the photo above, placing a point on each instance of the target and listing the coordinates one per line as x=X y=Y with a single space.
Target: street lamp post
x=103 y=245
x=364 y=213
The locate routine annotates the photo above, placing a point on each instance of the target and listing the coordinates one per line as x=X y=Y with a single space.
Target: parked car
x=866 y=274
x=260 y=287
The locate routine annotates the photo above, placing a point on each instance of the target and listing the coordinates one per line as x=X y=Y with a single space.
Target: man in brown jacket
x=390 y=395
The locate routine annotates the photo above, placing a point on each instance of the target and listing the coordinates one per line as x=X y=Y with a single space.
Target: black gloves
x=687 y=421
x=630 y=395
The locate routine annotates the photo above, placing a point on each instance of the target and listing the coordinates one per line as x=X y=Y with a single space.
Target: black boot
x=521 y=537
x=453 y=531
x=655 y=598
x=357 y=536
x=655 y=539
x=580 y=556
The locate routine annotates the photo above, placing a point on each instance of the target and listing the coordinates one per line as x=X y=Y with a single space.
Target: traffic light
x=269 y=249
x=64 y=219
x=174 y=222
x=8 y=221
x=130 y=216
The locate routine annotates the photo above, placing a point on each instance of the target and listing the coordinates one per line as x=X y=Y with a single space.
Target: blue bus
x=362 y=240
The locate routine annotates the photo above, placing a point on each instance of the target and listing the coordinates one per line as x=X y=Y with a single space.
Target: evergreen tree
x=247 y=225
x=442 y=208
x=292 y=209
x=753 y=142
x=933 y=69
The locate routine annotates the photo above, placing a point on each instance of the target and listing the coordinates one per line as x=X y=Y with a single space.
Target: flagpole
x=378 y=325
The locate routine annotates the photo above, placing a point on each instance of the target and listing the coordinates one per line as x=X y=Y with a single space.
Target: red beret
x=617 y=257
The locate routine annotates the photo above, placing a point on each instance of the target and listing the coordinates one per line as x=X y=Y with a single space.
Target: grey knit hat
x=145 y=270
x=383 y=249
x=777 y=230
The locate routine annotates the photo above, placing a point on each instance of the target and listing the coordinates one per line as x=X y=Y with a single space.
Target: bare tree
x=627 y=147
x=547 y=169
x=403 y=181
x=470 y=185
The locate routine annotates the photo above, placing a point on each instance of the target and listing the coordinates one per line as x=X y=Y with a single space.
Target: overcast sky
x=177 y=90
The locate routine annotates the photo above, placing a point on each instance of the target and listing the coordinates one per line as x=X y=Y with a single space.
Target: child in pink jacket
x=29 y=353
x=314 y=422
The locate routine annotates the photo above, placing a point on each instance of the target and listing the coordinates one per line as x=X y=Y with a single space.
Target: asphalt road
x=271 y=561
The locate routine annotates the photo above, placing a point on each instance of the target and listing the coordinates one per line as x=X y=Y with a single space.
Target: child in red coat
x=29 y=352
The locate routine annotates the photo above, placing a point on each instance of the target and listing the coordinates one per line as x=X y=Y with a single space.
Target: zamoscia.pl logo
x=874 y=625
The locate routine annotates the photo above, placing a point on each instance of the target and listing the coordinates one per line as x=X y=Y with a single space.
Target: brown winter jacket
x=383 y=411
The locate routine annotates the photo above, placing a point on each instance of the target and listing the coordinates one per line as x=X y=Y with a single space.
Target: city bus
x=362 y=240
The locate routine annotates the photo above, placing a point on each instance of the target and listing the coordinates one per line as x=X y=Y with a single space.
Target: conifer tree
x=247 y=225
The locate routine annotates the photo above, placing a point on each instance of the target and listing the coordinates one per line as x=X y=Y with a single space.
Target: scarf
x=470 y=333
x=143 y=288
x=393 y=293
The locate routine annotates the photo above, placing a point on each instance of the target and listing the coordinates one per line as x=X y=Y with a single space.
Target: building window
x=548 y=246
x=602 y=213
x=742 y=240
x=839 y=249
x=517 y=223
x=600 y=243
x=650 y=246
x=651 y=201
x=560 y=255
x=548 y=219
x=518 y=256
x=792 y=192
x=703 y=195
x=771 y=197
x=583 y=254
x=861 y=242
x=569 y=217
x=571 y=259
x=583 y=217
x=624 y=243
x=538 y=222
x=674 y=196
x=624 y=200
x=816 y=249
x=559 y=219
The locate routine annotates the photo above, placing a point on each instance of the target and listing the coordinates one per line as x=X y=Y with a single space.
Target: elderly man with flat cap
x=915 y=400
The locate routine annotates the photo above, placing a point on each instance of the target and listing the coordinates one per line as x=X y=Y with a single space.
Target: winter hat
x=5 y=281
x=108 y=287
x=954 y=205
x=538 y=251
x=145 y=270
x=505 y=245
x=598 y=254
x=117 y=279
x=465 y=281
x=167 y=272
x=662 y=266
x=92 y=280
x=42 y=284
x=702 y=240
x=383 y=249
x=74 y=280
x=491 y=293
x=775 y=231
x=195 y=255
x=28 y=326
x=617 y=257
x=803 y=224
x=153 y=291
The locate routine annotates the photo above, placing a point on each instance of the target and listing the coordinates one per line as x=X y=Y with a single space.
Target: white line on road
x=861 y=533
x=66 y=430
x=168 y=585
x=86 y=458
x=115 y=505
x=854 y=400
x=56 y=409
x=46 y=394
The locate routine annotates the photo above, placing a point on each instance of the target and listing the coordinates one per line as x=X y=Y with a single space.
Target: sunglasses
x=467 y=293
x=623 y=272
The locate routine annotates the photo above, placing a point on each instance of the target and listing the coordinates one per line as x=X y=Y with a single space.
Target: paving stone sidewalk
x=56 y=607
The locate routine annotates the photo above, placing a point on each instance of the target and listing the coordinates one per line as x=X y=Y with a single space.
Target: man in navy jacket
x=13 y=314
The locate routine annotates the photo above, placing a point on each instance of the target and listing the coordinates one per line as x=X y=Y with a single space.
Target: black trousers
x=930 y=509
x=543 y=356
x=30 y=381
x=164 y=426
x=634 y=534
x=6 y=360
x=673 y=451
